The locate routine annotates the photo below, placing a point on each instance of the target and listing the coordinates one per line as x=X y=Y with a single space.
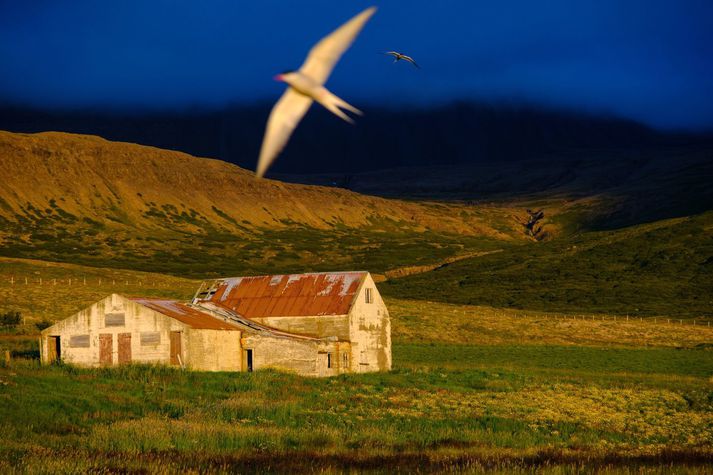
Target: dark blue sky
x=648 y=60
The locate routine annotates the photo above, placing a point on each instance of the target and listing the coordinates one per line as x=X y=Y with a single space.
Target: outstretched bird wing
x=284 y=117
x=410 y=60
x=325 y=54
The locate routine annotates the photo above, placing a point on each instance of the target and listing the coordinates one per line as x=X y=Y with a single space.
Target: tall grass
x=447 y=407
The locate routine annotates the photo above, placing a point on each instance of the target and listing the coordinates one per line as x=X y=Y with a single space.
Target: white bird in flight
x=307 y=85
x=398 y=57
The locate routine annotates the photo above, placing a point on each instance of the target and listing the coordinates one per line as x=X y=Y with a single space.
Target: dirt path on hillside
x=400 y=272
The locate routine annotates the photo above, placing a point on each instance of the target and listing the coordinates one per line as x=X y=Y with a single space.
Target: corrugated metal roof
x=296 y=295
x=185 y=314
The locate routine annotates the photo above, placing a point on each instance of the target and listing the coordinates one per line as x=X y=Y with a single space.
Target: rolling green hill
x=661 y=268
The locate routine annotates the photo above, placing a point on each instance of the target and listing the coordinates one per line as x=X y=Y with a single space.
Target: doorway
x=249 y=360
x=54 y=349
x=124 y=348
x=176 y=358
x=106 y=349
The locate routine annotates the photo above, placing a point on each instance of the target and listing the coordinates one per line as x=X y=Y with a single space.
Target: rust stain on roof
x=296 y=295
x=185 y=314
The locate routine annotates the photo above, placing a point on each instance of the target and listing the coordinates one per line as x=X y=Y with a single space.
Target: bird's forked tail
x=333 y=104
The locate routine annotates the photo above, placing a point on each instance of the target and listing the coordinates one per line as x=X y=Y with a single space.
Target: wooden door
x=106 y=348
x=176 y=356
x=124 y=348
x=322 y=364
x=54 y=349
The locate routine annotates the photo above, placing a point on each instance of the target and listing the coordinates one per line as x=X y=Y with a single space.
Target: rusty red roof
x=185 y=314
x=328 y=293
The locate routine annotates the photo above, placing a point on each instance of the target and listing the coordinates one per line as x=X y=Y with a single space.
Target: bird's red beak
x=277 y=77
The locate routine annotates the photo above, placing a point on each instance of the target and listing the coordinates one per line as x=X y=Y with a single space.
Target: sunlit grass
x=452 y=404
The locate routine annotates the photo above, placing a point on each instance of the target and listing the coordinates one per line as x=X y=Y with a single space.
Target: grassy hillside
x=663 y=268
x=52 y=291
x=82 y=199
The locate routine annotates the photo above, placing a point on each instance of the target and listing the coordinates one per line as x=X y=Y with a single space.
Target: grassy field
x=418 y=321
x=473 y=388
x=484 y=407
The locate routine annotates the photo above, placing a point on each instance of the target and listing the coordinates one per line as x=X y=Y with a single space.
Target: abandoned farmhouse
x=318 y=324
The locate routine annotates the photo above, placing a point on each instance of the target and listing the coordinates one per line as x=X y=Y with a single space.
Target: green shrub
x=10 y=319
x=42 y=324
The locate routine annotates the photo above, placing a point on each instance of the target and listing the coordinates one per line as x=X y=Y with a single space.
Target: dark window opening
x=79 y=341
x=150 y=338
x=249 y=359
x=114 y=320
x=329 y=360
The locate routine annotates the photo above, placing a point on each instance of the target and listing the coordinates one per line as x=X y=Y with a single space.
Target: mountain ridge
x=45 y=166
x=457 y=132
x=87 y=200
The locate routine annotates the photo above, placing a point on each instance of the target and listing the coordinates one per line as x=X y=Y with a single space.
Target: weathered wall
x=305 y=357
x=138 y=320
x=317 y=326
x=369 y=331
x=213 y=350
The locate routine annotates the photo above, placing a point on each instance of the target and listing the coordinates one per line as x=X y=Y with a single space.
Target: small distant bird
x=307 y=85
x=398 y=57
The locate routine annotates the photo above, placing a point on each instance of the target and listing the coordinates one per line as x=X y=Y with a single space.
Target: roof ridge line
x=236 y=318
x=293 y=273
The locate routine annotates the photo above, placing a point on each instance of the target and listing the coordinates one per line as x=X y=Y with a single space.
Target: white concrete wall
x=214 y=350
x=305 y=357
x=369 y=331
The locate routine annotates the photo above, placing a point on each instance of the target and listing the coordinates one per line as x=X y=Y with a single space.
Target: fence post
x=25 y=280
x=7 y=357
x=12 y=280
